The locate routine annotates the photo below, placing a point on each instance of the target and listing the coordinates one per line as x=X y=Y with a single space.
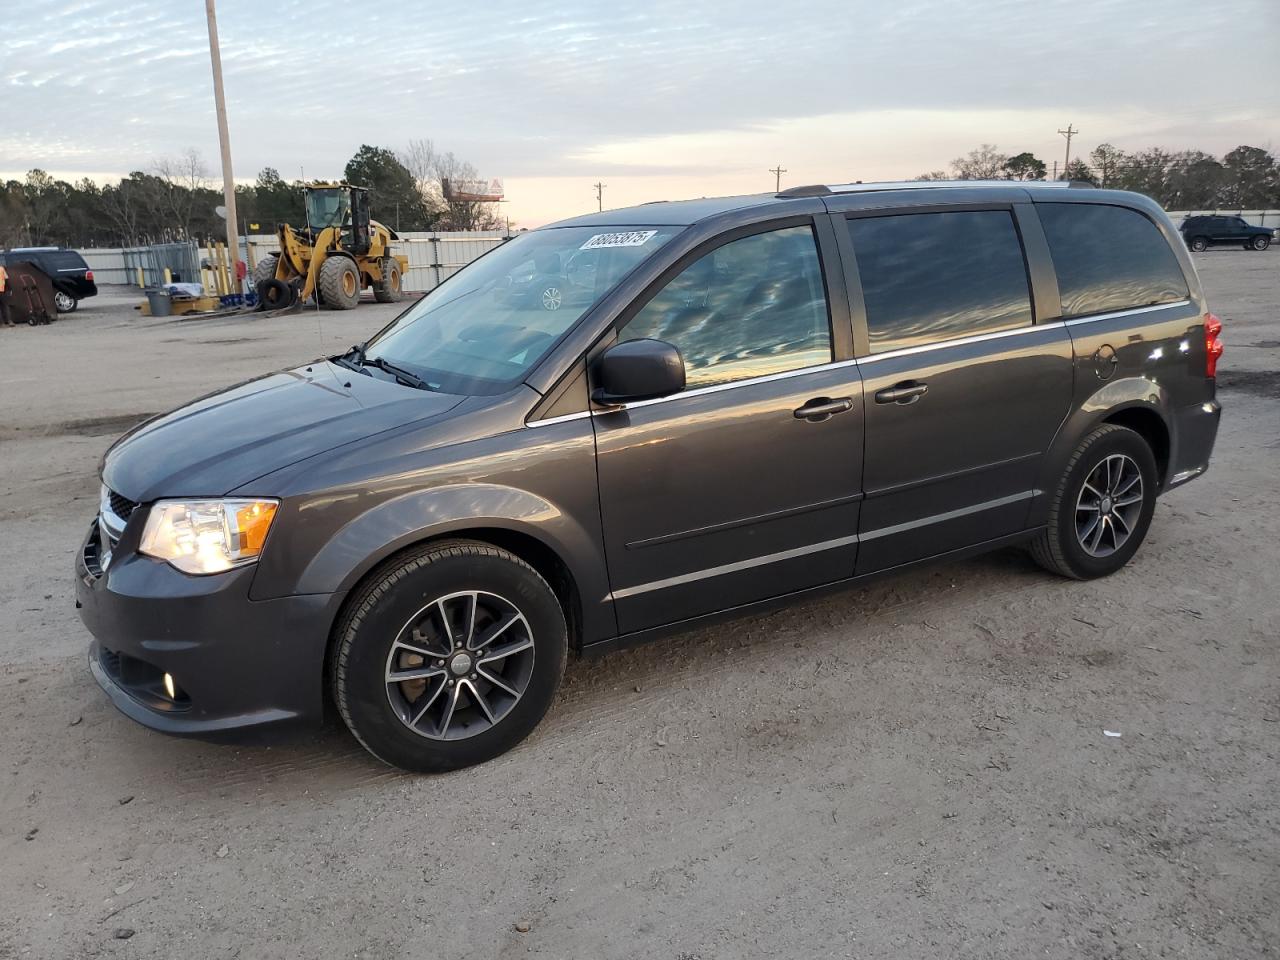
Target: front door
x=963 y=392
x=745 y=485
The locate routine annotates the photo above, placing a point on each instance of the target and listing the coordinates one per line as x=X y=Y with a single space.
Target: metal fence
x=433 y=257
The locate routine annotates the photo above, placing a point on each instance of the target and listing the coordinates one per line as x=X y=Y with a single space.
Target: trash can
x=161 y=304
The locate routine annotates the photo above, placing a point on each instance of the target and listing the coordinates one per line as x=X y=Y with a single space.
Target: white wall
x=433 y=257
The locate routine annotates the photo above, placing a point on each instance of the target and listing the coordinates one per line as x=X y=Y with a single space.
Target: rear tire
x=1198 y=244
x=466 y=698
x=264 y=270
x=387 y=290
x=64 y=302
x=1111 y=479
x=339 y=283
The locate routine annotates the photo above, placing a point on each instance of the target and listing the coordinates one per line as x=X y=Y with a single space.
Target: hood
x=224 y=440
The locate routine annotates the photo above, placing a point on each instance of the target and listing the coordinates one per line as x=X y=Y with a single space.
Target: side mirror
x=638 y=370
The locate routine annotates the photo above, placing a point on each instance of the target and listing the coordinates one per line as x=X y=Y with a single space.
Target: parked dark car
x=766 y=396
x=1201 y=233
x=72 y=279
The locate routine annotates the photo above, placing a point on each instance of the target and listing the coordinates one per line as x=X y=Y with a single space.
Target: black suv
x=763 y=397
x=72 y=279
x=1201 y=233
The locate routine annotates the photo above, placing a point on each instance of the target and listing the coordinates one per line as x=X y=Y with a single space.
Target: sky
x=656 y=99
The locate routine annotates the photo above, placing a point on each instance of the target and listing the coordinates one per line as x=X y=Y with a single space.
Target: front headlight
x=207 y=536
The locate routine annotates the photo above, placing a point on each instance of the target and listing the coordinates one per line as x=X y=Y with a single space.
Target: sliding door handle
x=908 y=391
x=822 y=408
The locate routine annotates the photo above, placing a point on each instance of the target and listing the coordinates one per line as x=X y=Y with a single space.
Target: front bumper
x=236 y=662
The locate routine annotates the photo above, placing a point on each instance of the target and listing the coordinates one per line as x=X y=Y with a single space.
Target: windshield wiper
x=400 y=373
x=353 y=364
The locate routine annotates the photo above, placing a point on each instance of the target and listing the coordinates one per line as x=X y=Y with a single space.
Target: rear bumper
x=1195 y=431
x=236 y=662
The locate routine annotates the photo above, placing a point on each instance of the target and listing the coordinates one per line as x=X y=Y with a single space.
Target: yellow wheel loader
x=339 y=253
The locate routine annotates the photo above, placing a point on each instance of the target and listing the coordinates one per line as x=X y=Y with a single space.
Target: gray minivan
x=761 y=397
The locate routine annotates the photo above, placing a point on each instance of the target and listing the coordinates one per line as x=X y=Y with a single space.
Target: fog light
x=170 y=687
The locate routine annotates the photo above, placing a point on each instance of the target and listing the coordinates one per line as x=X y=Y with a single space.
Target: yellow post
x=208 y=259
x=141 y=284
x=228 y=272
x=168 y=277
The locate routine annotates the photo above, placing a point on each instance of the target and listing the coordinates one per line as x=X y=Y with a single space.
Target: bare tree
x=430 y=167
x=184 y=178
x=984 y=163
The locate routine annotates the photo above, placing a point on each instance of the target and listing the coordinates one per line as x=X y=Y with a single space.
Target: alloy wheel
x=551 y=298
x=460 y=665
x=1109 y=505
x=63 y=302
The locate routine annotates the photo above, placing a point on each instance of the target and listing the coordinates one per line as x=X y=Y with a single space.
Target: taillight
x=88 y=274
x=1212 y=344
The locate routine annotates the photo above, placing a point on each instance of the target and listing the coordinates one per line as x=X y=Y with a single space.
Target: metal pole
x=224 y=137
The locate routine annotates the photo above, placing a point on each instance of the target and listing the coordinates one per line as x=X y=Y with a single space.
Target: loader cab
x=345 y=207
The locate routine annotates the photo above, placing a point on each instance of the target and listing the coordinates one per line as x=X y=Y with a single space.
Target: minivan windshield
x=484 y=328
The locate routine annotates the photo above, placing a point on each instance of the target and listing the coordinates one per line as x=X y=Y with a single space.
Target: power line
x=777 y=172
x=600 y=195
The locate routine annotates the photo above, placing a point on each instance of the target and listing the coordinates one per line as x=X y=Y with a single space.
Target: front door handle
x=908 y=391
x=822 y=408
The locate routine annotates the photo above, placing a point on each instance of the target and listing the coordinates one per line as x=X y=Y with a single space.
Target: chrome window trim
x=1129 y=312
x=871 y=358
x=961 y=341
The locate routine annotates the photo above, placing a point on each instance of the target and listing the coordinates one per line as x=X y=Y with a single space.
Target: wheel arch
x=1142 y=405
x=533 y=550
x=1144 y=420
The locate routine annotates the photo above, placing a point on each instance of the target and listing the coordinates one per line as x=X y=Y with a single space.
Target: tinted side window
x=751 y=307
x=64 y=260
x=1109 y=258
x=934 y=276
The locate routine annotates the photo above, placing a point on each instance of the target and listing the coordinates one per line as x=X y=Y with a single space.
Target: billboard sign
x=472 y=191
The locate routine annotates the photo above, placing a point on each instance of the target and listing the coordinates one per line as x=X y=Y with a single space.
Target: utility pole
x=224 y=138
x=1068 y=133
x=600 y=195
x=777 y=172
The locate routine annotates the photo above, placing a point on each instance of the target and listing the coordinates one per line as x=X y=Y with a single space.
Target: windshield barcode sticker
x=636 y=238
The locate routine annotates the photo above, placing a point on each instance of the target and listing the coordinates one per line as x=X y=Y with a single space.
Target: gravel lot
x=911 y=769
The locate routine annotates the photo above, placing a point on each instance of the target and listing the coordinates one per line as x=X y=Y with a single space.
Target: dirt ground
x=913 y=769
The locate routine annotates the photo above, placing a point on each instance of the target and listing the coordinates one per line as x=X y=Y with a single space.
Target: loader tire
x=387 y=290
x=275 y=294
x=339 y=284
x=264 y=270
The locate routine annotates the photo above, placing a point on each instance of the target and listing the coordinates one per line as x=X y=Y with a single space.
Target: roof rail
x=822 y=190
x=811 y=190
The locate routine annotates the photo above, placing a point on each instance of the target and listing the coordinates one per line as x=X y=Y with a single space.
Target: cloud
x=535 y=90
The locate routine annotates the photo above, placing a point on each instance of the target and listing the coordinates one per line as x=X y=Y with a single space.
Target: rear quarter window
x=1109 y=258
x=64 y=260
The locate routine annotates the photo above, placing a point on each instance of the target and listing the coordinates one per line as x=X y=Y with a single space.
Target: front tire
x=1260 y=243
x=64 y=302
x=339 y=283
x=1102 y=507
x=448 y=656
